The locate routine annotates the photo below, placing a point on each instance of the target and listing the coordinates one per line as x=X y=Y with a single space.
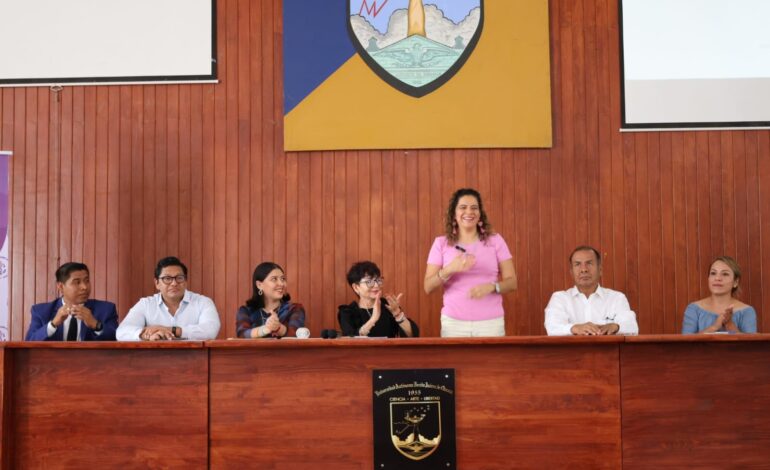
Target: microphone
x=303 y=333
x=328 y=334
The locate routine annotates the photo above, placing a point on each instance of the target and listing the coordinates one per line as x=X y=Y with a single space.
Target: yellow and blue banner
x=382 y=74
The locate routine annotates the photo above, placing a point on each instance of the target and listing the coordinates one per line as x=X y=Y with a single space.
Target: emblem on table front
x=413 y=413
x=415 y=428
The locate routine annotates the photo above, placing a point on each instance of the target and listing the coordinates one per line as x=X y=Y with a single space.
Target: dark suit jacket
x=103 y=311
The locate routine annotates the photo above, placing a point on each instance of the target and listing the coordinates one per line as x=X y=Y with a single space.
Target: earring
x=259 y=291
x=454 y=227
x=481 y=227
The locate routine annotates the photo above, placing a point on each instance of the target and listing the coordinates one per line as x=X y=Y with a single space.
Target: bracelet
x=403 y=318
x=497 y=287
x=438 y=274
x=361 y=331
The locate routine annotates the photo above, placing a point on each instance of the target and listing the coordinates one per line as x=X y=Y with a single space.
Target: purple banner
x=4 y=180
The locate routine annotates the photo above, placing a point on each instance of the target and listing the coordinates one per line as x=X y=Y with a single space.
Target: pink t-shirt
x=457 y=301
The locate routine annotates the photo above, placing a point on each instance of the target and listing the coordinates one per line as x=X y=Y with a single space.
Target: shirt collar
x=574 y=292
x=60 y=302
x=185 y=299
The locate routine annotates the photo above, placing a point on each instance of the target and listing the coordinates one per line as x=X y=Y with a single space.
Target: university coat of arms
x=415 y=45
x=415 y=428
x=413 y=415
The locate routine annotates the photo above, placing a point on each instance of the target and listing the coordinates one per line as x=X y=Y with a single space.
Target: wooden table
x=696 y=401
x=105 y=405
x=301 y=403
x=521 y=402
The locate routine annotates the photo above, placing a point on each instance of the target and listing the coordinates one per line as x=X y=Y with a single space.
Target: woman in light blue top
x=721 y=312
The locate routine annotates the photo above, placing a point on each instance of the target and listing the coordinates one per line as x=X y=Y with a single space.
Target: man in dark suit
x=73 y=316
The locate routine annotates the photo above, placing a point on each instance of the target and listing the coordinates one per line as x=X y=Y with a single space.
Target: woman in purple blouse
x=269 y=313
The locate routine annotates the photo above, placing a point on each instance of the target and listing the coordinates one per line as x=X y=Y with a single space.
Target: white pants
x=452 y=328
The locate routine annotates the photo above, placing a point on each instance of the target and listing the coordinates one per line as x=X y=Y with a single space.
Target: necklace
x=263 y=316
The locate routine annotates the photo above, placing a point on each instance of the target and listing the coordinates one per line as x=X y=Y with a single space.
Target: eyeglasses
x=372 y=282
x=167 y=280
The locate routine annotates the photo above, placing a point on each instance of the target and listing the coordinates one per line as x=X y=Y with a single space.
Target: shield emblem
x=413 y=45
x=415 y=428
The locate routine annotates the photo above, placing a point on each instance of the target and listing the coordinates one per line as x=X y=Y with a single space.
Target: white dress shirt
x=197 y=316
x=569 y=308
x=50 y=330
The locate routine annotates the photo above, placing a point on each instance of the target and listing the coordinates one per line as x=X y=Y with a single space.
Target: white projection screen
x=106 y=41
x=695 y=63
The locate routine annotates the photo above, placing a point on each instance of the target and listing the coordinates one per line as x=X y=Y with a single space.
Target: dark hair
x=586 y=248
x=260 y=273
x=734 y=267
x=66 y=269
x=169 y=261
x=360 y=270
x=449 y=223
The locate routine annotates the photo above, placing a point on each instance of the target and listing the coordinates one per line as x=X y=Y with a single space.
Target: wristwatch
x=497 y=287
x=173 y=332
x=98 y=326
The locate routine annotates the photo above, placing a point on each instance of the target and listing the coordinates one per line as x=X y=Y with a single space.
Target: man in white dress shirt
x=588 y=308
x=172 y=313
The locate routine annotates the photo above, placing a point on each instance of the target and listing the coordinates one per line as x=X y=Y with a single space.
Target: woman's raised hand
x=461 y=263
x=394 y=304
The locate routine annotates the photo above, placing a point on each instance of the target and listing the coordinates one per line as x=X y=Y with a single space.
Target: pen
x=460 y=248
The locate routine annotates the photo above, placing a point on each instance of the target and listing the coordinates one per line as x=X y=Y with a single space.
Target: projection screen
x=98 y=41
x=695 y=63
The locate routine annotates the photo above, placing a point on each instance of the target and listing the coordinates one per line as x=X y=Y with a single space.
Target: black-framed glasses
x=372 y=282
x=168 y=279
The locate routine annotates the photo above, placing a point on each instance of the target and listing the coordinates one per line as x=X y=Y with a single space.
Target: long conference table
x=521 y=402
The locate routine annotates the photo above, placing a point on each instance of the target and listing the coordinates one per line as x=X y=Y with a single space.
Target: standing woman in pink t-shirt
x=474 y=266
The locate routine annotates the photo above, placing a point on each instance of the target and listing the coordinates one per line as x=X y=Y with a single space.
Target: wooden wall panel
x=120 y=176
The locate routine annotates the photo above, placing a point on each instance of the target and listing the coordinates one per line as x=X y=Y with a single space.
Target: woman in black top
x=372 y=315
